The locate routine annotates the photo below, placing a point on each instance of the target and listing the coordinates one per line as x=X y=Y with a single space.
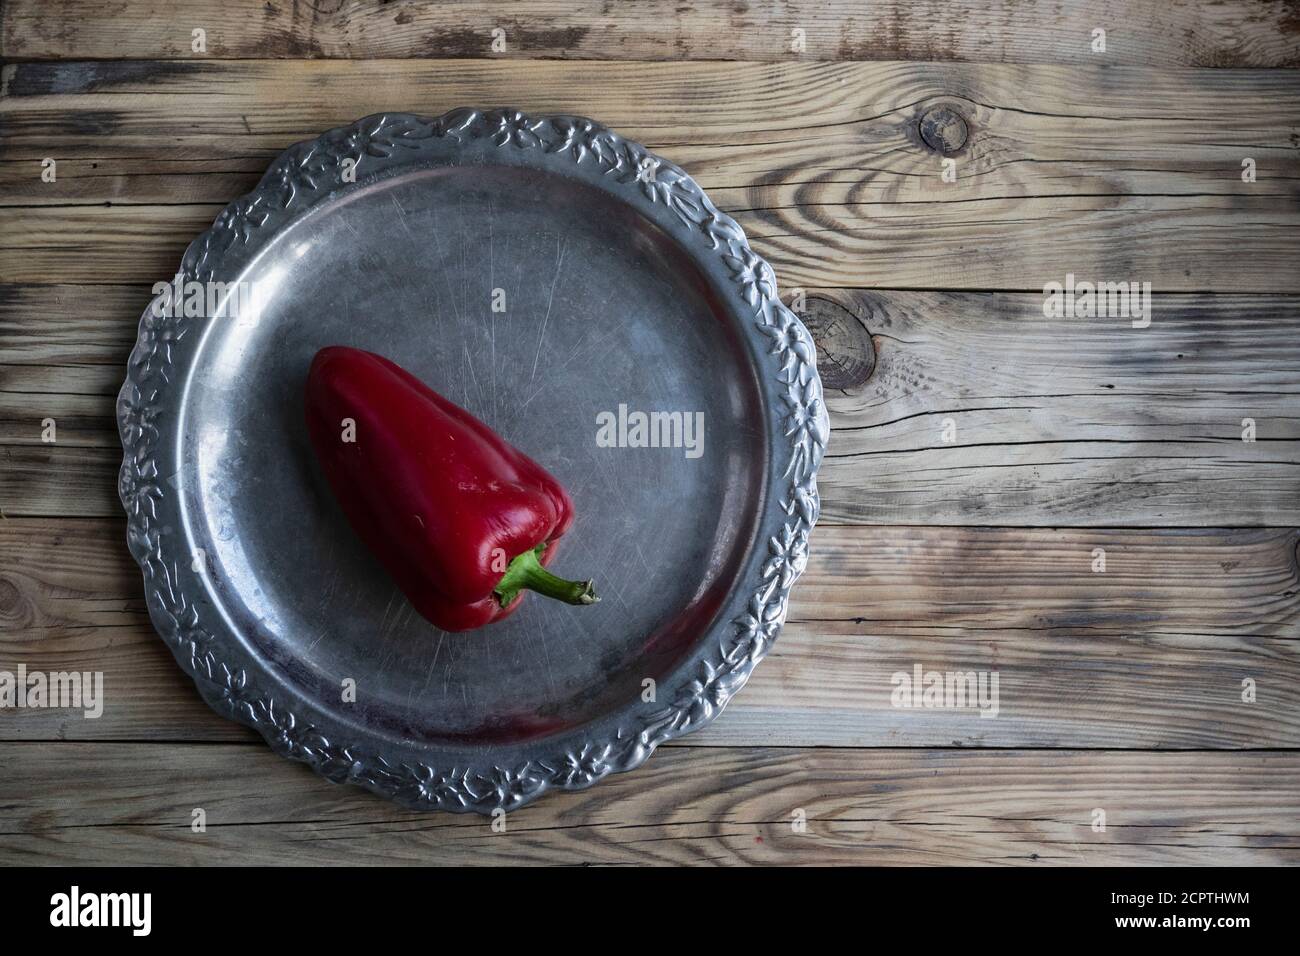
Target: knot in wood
x=943 y=129
x=846 y=354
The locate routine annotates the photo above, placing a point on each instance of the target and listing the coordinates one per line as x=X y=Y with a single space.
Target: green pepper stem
x=526 y=573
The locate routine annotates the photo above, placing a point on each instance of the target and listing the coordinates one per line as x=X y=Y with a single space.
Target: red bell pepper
x=463 y=522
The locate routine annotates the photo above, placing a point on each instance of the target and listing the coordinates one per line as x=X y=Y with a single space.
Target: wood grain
x=1056 y=421
x=1242 y=33
x=970 y=555
x=133 y=804
x=1104 y=173
x=1064 y=421
x=1150 y=653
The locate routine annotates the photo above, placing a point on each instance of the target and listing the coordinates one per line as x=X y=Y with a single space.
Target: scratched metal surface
x=540 y=293
x=588 y=325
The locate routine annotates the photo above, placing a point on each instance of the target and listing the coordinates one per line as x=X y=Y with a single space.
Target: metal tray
x=621 y=284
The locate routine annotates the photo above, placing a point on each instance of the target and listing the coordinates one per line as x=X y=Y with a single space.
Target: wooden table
x=983 y=456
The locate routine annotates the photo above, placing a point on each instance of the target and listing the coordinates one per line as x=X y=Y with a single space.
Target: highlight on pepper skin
x=463 y=522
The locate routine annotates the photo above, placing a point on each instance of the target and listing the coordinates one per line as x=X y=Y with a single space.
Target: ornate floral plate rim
x=309 y=173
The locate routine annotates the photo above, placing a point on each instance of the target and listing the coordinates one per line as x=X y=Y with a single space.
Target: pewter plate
x=541 y=271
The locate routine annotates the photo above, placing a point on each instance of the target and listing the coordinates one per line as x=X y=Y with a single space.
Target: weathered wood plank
x=1052 y=421
x=1241 y=33
x=825 y=685
x=76 y=573
x=1010 y=156
x=1098 y=172
x=1175 y=243
x=1150 y=653
x=58 y=479
x=134 y=802
x=665 y=105
x=981 y=410
x=69 y=325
